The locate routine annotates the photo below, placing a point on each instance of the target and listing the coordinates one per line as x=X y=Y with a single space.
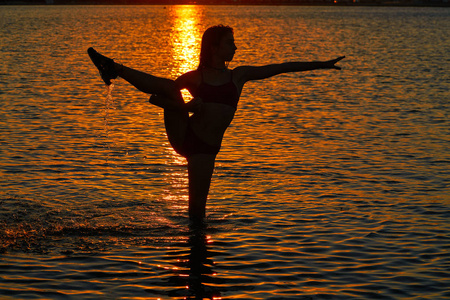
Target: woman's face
x=226 y=48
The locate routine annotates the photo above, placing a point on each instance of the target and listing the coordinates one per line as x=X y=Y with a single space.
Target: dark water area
x=329 y=185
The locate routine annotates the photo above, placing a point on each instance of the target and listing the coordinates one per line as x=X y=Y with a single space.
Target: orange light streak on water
x=186 y=37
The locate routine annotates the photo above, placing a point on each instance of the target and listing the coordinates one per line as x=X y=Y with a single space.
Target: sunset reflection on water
x=328 y=184
x=185 y=37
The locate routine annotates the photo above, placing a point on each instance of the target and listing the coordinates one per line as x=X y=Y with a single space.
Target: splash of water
x=40 y=225
x=108 y=105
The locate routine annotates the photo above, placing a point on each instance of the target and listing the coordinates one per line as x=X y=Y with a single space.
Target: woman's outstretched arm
x=247 y=73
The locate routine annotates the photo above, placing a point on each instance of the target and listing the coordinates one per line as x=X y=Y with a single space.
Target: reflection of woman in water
x=216 y=90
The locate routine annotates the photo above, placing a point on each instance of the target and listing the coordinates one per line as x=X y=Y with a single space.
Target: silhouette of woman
x=216 y=90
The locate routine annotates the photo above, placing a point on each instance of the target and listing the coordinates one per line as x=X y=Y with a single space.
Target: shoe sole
x=94 y=56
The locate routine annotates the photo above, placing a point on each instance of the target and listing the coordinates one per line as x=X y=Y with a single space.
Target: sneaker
x=104 y=65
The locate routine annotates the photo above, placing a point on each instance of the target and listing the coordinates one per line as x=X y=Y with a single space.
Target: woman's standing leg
x=200 y=170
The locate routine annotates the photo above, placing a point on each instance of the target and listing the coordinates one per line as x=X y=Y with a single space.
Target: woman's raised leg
x=150 y=84
x=142 y=81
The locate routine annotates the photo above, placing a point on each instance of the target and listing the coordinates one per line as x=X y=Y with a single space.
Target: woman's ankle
x=119 y=69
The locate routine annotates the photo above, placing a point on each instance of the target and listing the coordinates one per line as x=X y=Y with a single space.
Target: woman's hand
x=331 y=63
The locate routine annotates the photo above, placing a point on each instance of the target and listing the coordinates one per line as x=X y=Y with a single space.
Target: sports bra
x=226 y=93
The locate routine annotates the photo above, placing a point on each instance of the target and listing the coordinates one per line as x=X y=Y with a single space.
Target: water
x=330 y=185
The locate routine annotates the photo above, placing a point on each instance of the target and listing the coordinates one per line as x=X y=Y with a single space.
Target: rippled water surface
x=329 y=185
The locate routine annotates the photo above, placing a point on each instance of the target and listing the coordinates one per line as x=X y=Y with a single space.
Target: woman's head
x=211 y=42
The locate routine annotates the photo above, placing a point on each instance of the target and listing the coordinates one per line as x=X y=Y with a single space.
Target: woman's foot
x=195 y=105
x=105 y=65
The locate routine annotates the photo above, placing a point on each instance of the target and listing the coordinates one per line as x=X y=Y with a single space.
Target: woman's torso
x=219 y=94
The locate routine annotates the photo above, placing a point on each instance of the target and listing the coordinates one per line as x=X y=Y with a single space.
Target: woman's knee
x=170 y=88
x=176 y=122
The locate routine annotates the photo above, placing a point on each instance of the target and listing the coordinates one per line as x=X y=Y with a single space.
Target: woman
x=216 y=90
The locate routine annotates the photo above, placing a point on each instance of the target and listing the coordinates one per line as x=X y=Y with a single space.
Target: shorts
x=194 y=145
